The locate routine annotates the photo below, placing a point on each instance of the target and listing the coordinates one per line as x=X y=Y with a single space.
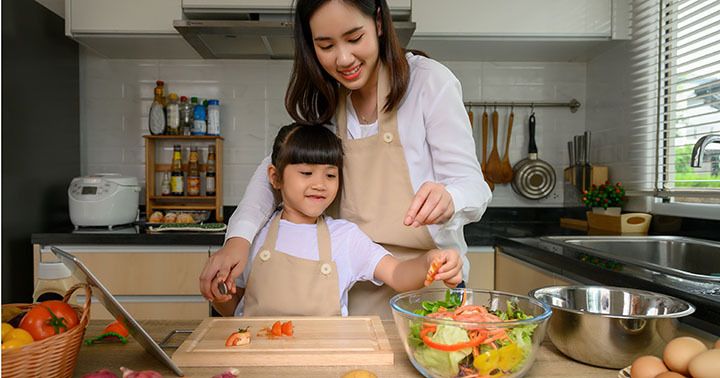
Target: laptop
x=83 y=274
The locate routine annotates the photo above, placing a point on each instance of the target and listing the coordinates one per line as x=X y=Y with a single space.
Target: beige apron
x=281 y=284
x=376 y=195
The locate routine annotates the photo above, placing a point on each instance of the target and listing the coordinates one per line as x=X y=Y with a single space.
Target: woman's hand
x=224 y=265
x=432 y=204
x=451 y=270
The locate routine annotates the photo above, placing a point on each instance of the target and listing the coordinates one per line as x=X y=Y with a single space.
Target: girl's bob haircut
x=306 y=144
x=312 y=94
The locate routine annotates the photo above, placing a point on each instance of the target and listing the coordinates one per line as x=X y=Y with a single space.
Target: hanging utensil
x=506 y=171
x=533 y=178
x=493 y=164
x=484 y=149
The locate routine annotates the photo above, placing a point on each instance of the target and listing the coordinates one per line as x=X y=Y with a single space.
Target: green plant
x=605 y=195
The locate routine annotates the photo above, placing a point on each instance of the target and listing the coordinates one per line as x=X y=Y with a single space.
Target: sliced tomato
x=241 y=337
x=287 y=328
x=277 y=329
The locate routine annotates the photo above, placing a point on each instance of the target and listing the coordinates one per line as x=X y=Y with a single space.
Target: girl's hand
x=432 y=204
x=451 y=270
x=225 y=265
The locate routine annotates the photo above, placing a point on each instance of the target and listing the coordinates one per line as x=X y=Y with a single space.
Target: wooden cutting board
x=317 y=341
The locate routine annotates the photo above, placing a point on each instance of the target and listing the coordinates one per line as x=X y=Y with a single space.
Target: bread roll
x=185 y=218
x=156 y=217
x=170 y=218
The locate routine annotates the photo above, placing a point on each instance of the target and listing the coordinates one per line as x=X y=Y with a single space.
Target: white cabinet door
x=122 y=17
x=513 y=18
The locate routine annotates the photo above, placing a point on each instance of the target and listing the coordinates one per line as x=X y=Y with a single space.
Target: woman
x=411 y=179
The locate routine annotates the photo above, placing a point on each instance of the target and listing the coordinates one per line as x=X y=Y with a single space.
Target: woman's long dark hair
x=312 y=94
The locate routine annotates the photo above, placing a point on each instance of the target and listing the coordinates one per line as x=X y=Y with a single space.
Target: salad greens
x=454 y=351
x=445 y=363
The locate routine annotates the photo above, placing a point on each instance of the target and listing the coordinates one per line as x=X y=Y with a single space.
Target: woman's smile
x=352 y=73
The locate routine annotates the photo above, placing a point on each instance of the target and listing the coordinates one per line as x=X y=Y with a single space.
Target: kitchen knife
x=578 y=165
x=586 y=154
x=571 y=155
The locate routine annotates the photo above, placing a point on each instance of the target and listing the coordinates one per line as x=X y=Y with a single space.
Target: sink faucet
x=699 y=149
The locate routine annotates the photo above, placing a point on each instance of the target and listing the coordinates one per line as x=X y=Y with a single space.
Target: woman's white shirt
x=438 y=143
x=354 y=254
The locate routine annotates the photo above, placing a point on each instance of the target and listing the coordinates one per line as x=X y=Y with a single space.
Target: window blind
x=675 y=66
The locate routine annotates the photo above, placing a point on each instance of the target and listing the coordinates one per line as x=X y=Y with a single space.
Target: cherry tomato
x=287 y=328
x=241 y=337
x=277 y=329
x=49 y=318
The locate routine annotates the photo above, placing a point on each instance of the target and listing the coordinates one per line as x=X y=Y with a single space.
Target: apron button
x=388 y=137
x=265 y=255
x=325 y=269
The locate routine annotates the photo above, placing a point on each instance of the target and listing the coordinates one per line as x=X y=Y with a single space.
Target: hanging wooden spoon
x=505 y=167
x=484 y=148
x=493 y=164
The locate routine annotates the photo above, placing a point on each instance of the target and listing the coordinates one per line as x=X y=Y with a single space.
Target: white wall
x=116 y=96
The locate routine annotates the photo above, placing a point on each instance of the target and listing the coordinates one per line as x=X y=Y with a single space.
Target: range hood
x=252 y=39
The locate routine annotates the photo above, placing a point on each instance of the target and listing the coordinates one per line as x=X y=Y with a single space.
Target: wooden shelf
x=154 y=201
x=186 y=137
x=183 y=198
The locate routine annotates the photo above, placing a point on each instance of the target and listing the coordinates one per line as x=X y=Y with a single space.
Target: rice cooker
x=103 y=199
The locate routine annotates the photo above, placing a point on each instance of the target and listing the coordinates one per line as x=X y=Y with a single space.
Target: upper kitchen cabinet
x=256 y=29
x=518 y=30
x=131 y=29
x=204 y=9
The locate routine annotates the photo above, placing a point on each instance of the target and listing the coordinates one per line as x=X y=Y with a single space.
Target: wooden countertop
x=549 y=362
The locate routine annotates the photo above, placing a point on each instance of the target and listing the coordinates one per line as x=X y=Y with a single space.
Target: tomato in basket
x=49 y=318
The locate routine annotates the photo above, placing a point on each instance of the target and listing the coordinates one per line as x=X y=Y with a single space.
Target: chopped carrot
x=430 y=277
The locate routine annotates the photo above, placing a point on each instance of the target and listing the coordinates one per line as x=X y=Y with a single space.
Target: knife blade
x=588 y=167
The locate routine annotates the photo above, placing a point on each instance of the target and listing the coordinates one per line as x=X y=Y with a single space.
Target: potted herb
x=605 y=199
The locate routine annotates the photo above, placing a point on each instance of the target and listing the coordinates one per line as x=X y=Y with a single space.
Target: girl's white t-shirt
x=437 y=139
x=355 y=255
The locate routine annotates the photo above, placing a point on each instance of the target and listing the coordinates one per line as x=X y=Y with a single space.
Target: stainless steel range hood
x=252 y=39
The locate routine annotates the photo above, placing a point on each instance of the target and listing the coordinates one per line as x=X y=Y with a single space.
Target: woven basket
x=51 y=357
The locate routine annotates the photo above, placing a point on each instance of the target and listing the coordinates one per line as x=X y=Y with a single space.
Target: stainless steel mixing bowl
x=610 y=326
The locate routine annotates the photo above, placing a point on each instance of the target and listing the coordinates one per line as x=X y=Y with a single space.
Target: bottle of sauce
x=165 y=185
x=176 y=177
x=199 y=125
x=210 y=172
x=213 y=117
x=172 y=126
x=186 y=118
x=193 y=180
x=156 y=119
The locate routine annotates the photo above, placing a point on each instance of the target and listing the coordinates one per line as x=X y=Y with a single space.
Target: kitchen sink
x=685 y=257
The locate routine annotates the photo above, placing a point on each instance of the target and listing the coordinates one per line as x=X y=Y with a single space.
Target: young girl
x=411 y=179
x=304 y=263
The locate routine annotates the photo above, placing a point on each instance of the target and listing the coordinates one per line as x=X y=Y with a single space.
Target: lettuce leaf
x=444 y=363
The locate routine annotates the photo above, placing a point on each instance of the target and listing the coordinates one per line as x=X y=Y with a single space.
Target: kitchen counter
x=549 y=362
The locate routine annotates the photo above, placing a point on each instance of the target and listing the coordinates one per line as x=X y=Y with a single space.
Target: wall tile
x=116 y=96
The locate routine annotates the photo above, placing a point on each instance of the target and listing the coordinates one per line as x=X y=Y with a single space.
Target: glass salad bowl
x=449 y=333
